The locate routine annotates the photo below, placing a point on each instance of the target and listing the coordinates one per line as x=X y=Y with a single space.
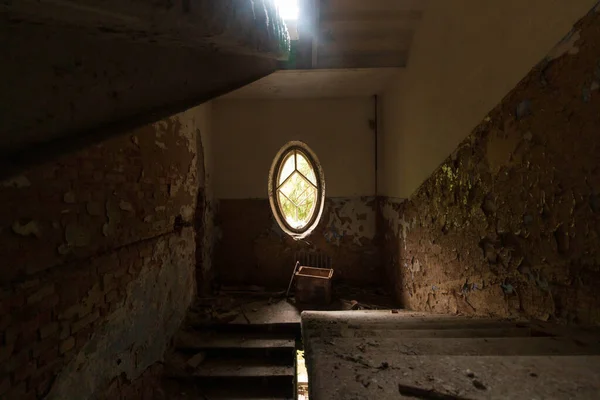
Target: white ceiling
x=317 y=83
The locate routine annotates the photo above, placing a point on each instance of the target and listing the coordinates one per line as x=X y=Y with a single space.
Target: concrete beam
x=251 y=27
x=80 y=71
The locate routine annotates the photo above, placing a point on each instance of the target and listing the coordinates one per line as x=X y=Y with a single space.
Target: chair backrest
x=313 y=259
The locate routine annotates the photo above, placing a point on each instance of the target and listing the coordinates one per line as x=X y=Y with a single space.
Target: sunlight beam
x=288 y=9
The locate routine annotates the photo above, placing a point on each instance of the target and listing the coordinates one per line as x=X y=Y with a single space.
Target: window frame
x=276 y=169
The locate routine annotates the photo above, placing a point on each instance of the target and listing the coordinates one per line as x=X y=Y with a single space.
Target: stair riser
x=270 y=386
x=230 y=391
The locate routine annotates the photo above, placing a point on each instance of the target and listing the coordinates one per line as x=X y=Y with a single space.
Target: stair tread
x=229 y=367
x=420 y=323
x=430 y=333
x=240 y=368
x=193 y=340
x=505 y=346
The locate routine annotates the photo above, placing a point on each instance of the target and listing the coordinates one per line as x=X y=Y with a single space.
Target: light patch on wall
x=566 y=46
x=30 y=228
x=17 y=182
x=500 y=148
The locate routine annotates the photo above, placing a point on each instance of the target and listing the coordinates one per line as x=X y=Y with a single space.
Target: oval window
x=296 y=189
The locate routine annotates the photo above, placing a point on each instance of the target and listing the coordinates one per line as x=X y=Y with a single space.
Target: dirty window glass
x=297 y=190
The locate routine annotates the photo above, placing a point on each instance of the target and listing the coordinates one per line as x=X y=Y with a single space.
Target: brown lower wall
x=252 y=249
x=510 y=223
x=97 y=262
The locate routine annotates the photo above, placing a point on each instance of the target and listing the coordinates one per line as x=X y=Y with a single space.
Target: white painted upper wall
x=248 y=133
x=466 y=56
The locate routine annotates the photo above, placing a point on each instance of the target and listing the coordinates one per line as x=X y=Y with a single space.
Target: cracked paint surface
x=94 y=259
x=265 y=254
x=509 y=225
x=135 y=336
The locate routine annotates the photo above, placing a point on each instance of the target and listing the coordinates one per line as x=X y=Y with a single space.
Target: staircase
x=241 y=359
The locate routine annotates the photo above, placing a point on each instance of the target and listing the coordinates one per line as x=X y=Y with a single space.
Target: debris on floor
x=383 y=355
x=196 y=360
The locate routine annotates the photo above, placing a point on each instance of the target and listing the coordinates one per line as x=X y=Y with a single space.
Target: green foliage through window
x=297 y=190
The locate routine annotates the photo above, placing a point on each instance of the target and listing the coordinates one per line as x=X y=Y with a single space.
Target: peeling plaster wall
x=509 y=224
x=251 y=248
x=98 y=251
x=465 y=56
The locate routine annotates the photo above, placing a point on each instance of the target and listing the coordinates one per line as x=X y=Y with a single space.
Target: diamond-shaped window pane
x=295 y=186
x=297 y=191
x=287 y=168
x=305 y=168
x=302 y=196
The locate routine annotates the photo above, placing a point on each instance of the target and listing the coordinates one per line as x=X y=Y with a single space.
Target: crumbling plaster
x=247 y=136
x=136 y=335
x=99 y=258
x=265 y=255
x=508 y=225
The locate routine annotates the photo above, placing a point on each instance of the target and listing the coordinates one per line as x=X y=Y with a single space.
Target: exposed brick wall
x=510 y=223
x=96 y=273
x=252 y=249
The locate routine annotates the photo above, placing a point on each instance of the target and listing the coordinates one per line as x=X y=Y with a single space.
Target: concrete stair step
x=236 y=370
x=229 y=367
x=238 y=326
x=504 y=346
x=192 y=390
x=242 y=368
x=192 y=340
x=428 y=333
x=422 y=323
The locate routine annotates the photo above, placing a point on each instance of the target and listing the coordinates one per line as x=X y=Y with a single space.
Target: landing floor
x=390 y=355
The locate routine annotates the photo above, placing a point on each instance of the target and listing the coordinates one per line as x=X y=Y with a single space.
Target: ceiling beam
x=247 y=27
